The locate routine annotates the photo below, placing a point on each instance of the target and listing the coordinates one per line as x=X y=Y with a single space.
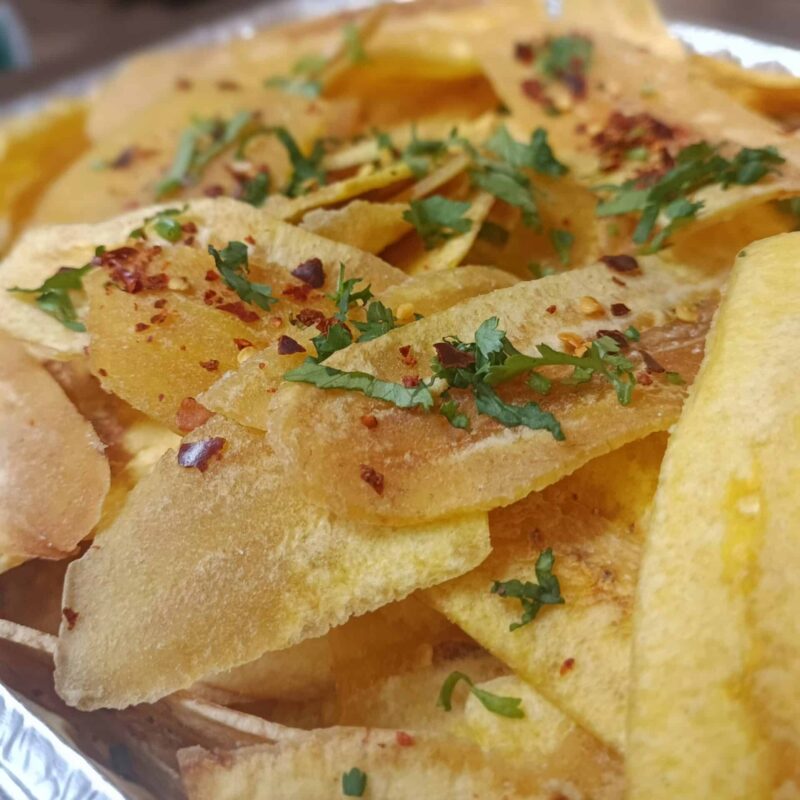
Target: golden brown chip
x=368 y=226
x=431 y=468
x=231 y=561
x=54 y=475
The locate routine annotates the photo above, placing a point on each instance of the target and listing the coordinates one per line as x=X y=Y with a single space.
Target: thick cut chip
x=715 y=705
x=33 y=151
x=545 y=736
x=53 y=474
x=368 y=226
x=397 y=765
x=301 y=672
x=577 y=654
x=125 y=168
x=230 y=561
x=245 y=395
x=431 y=468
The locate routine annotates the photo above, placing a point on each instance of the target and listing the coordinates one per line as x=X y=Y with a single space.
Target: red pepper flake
x=523 y=52
x=212 y=275
x=551 y=309
x=228 y=85
x=250 y=239
x=198 y=454
x=297 y=292
x=643 y=378
x=369 y=421
x=618 y=281
x=160 y=303
x=140 y=326
x=651 y=364
x=102 y=373
x=625 y=132
x=183 y=84
x=157 y=319
x=410 y=381
x=238 y=309
x=310 y=272
x=404 y=739
x=618 y=336
x=70 y=616
x=212 y=365
x=127 y=268
x=372 y=477
x=161 y=398
x=405 y=354
x=208 y=297
x=451 y=357
x=215 y=190
x=311 y=316
x=621 y=263
x=568 y=664
x=191 y=415
x=189 y=227
x=535 y=91
x=288 y=346
x=242 y=343
x=124 y=159
x=620 y=309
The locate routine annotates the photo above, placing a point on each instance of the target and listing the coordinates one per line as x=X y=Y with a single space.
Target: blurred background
x=44 y=41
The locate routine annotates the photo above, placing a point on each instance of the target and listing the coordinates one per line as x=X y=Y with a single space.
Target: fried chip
x=431 y=468
x=368 y=226
x=245 y=395
x=54 y=475
x=397 y=765
x=564 y=752
x=577 y=655
x=714 y=697
x=217 y=553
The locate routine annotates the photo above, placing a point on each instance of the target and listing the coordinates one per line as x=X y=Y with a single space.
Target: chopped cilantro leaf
x=198 y=146
x=539 y=383
x=232 y=264
x=509 y=186
x=256 y=189
x=536 y=155
x=419 y=153
x=164 y=223
x=438 y=218
x=633 y=334
x=533 y=596
x=449 y=410
x=696 y=166
x=336 y=338
x=493 y=233
x=562 y=241
x=529 y=414
x=295 y=85
x=497 y=704
x=306 y=170
x=329 y=378
x=353 y=44
x=344 y=296
x=675 y=377
x=563 y=56
x=354 y=783
x=53 y=296
x=380 y=320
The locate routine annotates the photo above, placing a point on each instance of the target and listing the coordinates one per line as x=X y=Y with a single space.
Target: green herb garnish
x=632 y=334
x=449 y=410
x=164 y=223
x=306 y=170
x=256 y=189
x=345 y=296
x=493 y=233
x=536 y=155
x=562 y=241
x=232 y=264
x=438 y=219
x=504 y=706
x=564 y=56
x=380 y=320
x=354 y=783
x=533 y=596
x=354 y=46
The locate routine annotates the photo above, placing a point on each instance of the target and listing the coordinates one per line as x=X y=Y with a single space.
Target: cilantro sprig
x=201 y=143
x=165 y=223
x=232 y=263
x=532 y=596
x=53 y=296
x=438 y=219
x=696 y=166
x=354 y=782
x=303 y=78
x=497 y=704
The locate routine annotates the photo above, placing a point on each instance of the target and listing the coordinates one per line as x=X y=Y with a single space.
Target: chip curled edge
x=203 y=571
x=54 y=475
x=716 y=664
x=431 y=468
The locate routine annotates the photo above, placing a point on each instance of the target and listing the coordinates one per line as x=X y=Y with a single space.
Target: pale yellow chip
x=398 y=765
x=230 y=563
x=368 y=226
x=563 y=752
x=430 y=468
x=714 y=699
x=54 y=475
x=577 y=654
x=245 y=395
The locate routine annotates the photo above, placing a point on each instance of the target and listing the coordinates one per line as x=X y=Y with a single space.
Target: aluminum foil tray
x=39 y=757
